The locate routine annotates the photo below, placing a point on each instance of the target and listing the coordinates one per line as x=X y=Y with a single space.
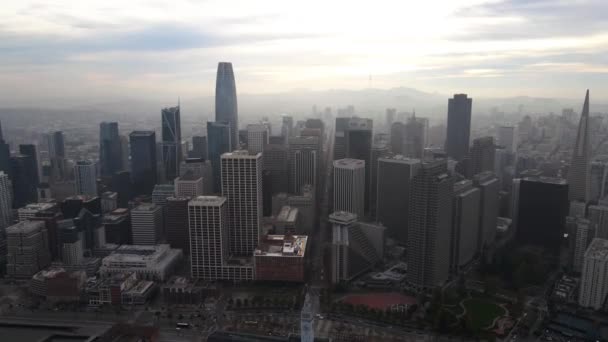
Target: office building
x=143 y=161
x=276 y=162
x=306 y=205
x=226 y=109
x=430 y=225
x=56 y=150
x=242 y=187
x=85 y=175
x=5 y=154
x=257 y=138
x=209 y=242
x=415 y=137
x=482 y=155
x=489 y=187
x=578 y=173
x=161 y=192
x=155 y=263
x=6 y=202
x=397 y=137
x=594 y=279
x=176 y=223
x=109 y=201
x=542 y=211
x=459 y=126
x=506 y=138
x=583 y=233
x=117 y=225
x=218 y=142
x=394 y=185
x=304 y=158
x=32 y=151
x=199 y=147
x=286 y=126
x=598 y=215
x=27 y=249
x=122 y=185
x=465 y=230
x=110 y=149
x=356 y=247
x=287 y=221
x=281 y=258
x=379 y=150
x=146 y=224
x=25 y=180
x=171 y=142
x=189 y=185
x=72 y=251
x=598 y=180
x=349 y=186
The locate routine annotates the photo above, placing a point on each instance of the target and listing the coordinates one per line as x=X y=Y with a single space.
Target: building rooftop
x=282 y=245
x=342 y=217
x=207 y=201
x=598 y=250
x=547 y=180
x=349 y=163
x=141 y=133
x=38 y=206
x=400 y=159
x=189 y=176
x=287 y=214
x=164 y=188
x=241 y=154
x=145 y=207
x=25 y=227
x=83 y=198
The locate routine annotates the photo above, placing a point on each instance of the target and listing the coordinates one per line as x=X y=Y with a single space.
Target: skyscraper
x=287 y=126
x=488 y=211
x=171 y=144
x=25 y=180
x=397 y=137
x=122 y=185
x=56 y=149
x=199 y=147
x=28 y=249
x=32 y=151
x=110 y=149
x=349 y=186
x=86 y=178
x=143 y=161
x=542 y=211
x=257 y=138
x=465 y=224
x=415 y=136
x=219 y=140
x=379 y=150
x=578 y=173
x=188 y=185
x=303 y=162
x=358 y=142
x=594 y=280
x=459 y=126
x=482 y=155
x=506 y=138
x=176 y=223
x=394 y=186
x=147 y=224
x=6 y=202
x=430 y=225
x=226 y=109
x=242 y=187
x=5 y=155
x=276 y=162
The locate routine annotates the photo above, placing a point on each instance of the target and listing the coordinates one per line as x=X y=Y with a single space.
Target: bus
x=183 y=325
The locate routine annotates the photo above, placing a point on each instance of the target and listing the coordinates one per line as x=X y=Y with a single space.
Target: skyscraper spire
x=578 y=174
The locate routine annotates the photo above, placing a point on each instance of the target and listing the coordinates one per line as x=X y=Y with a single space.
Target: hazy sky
x=136 y=48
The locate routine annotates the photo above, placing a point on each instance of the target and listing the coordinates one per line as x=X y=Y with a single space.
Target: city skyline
x=484 y=48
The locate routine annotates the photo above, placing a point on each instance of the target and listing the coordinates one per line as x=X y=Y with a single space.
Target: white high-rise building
x=242 y=187
x=506 y=138
x=257 y=138
x=594 y=279
x=209 y=250
x=86 y=178
x=147 y=224
x=349 y=186
x=188 y=185
x=465 y=224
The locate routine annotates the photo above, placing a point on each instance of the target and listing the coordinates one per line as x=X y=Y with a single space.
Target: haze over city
x=95 y=51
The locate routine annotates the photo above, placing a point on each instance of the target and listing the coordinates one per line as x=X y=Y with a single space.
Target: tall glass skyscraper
x=172 y=138
x=226 y=109
x=143 y=161
x=218 y=143
x=580 y=164
x=459 y=126
x=110 y=151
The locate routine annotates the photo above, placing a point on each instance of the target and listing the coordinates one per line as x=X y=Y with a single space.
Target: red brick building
x=281 y=258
